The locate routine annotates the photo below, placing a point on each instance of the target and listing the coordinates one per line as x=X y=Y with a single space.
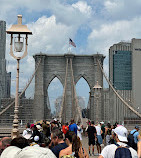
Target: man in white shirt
x=27 y=130
x=99 y=138
x=79 y=130
x=120 y=136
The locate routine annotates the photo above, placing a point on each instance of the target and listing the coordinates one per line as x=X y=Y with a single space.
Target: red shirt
x=65 y=129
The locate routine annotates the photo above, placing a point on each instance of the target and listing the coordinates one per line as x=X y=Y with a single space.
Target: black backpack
x=130 y=139
x=122 y=152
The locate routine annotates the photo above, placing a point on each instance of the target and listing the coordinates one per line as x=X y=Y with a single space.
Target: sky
x=94 y=26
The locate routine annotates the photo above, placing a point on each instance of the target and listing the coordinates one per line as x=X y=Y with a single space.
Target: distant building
x=136 y=73
x=58 y=103
x=5 y=78
x=124 y=74
x=120 y=66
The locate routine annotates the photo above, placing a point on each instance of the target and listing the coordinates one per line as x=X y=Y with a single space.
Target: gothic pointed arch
x=52 y=78
x=86 y=78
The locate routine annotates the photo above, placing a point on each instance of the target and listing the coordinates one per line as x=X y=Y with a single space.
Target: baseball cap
x=32 y=125
x=137 y=127
x=102 y=122
x=122 y=133
x=38 y=127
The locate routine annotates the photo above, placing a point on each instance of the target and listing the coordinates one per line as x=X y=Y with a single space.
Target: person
x=36 y=133
x=4 y=143
x=91 y=130
x=120 y=136
x=20 y=142
x=10 y=152
x=35 y=141
x=45 y=128
x=139 y=147
x=99 y=138
x=74 y=148
x=65 y=128
x=136 y=136
x=34 y=152
x=79 y=130
x=103 y=131
x=108 y=133
x=48 y=130
x=58 y=141
x=27 y=130
x=73 y=126
x=47 y=142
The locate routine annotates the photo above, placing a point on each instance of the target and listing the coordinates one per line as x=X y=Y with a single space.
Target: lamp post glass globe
x=18 y=44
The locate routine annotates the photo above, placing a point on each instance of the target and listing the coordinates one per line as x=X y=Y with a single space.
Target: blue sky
x=94 y=25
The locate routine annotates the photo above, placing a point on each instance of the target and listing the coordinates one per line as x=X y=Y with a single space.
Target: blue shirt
x=73 y=127
x=135 y=135
x=56 y=150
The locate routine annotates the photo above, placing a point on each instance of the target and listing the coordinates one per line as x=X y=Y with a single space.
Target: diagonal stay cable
x=75 y=95
x=64 y=93
x=27 y=85
x=125 y=103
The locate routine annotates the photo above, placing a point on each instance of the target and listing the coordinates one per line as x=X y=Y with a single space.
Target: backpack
x=122 y=152
x=29 y=131
x=130 y=139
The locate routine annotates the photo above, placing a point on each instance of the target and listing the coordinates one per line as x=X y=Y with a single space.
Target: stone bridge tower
x=52 y=66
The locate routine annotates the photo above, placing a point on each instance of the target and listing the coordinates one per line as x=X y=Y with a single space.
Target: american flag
x=71 y=42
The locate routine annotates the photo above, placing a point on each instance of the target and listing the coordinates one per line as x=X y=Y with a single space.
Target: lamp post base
x=15 y=133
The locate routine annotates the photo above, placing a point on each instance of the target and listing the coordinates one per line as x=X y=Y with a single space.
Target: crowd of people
x=53 y=139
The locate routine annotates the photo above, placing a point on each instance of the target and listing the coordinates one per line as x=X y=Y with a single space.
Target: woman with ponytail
x=74 y=148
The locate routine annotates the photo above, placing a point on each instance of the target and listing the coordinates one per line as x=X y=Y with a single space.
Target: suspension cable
x=130 y=107
x=64 y=92
x=75 y=95
x=27 y=85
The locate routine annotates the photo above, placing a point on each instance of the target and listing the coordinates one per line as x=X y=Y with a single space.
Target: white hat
x=10 y=151
x=35 y=152
x=38 y=127
x=102 y=122
x=122 y=133
x=36 y=138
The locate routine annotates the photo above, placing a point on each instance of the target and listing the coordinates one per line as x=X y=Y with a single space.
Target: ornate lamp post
x=97 y=94
x=21 y=32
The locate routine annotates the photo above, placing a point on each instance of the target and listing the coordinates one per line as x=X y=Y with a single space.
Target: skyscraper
x=120 y=66
x=120 y=75
x=136 y=72
x=5 y=78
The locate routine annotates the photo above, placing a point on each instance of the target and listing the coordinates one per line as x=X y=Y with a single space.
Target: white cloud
x=83 y=7
x=121 y=9
x=101 y=39
x=113 y=6
x=49 y=36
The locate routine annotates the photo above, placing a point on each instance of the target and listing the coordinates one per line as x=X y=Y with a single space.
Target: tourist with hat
x=136 y=136
x=119 y=134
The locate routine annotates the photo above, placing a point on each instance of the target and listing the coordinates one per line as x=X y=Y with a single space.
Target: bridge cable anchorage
x=27 y=85
x=64 y=92
x=124 y=102
x=78 y=115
